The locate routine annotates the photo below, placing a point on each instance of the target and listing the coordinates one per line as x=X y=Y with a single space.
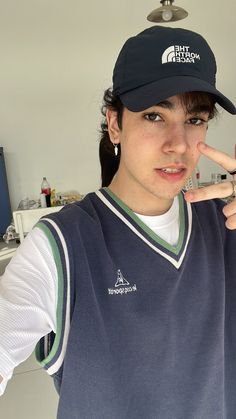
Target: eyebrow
x=166 y=104
x=199 y=109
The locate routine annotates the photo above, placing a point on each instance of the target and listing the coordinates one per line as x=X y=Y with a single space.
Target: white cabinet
x=6 y=253
x=25 y=220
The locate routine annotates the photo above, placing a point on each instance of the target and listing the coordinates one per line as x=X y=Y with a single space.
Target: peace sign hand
x=220 y=190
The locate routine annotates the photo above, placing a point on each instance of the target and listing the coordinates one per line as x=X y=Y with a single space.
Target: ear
x=113 y=128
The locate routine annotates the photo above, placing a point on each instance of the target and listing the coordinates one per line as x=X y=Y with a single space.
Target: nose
x=175 y=139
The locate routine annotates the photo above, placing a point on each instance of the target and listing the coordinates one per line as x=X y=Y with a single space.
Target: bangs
x=199 y=102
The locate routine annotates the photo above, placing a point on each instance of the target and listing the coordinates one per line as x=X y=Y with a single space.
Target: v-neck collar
x=175 y=254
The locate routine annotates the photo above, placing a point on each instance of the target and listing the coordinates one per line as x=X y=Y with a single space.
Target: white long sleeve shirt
x=28 y=292
x=28 y=288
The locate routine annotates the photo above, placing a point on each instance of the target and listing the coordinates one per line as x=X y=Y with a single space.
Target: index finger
x=224 y=160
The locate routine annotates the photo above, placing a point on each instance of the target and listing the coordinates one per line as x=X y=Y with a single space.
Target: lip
x=172 y=166
x=172 y=177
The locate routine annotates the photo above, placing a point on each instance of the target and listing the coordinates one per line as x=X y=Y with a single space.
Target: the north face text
x=179 y=54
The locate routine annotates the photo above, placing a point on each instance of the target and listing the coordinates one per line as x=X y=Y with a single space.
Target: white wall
x=56 y=59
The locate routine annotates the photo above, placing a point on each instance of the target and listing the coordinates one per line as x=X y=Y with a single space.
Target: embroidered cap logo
x=179 y=54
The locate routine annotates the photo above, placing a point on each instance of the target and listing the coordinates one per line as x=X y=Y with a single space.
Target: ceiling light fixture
x=167 y=13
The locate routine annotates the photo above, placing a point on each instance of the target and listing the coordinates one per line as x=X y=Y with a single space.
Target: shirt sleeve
x=28 y=301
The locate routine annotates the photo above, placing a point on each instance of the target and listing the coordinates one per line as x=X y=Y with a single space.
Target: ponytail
x=108 y=160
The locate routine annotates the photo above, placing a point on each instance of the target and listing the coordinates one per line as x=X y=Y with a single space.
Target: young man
x=134 y=286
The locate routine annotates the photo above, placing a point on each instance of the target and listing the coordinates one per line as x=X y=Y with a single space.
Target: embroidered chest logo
x=179 y=54
x=122 y=286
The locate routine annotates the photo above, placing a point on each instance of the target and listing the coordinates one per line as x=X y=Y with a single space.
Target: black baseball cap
x=161 y=62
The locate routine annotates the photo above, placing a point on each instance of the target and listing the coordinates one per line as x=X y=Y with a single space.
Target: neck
x=144 y=203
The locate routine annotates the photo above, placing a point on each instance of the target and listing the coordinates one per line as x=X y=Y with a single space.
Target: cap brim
x=151 y=94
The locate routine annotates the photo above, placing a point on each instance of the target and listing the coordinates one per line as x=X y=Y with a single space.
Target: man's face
x=158 y=153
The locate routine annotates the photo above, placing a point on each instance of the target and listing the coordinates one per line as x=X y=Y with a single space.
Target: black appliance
x=5 y=207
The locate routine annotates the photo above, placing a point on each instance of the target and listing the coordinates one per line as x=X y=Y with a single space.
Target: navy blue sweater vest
x=145 y=330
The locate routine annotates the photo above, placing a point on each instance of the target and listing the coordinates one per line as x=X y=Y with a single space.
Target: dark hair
x=197 y=101
x=109 y=162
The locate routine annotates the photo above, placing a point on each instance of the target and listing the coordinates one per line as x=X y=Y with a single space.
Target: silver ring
x=233 y=183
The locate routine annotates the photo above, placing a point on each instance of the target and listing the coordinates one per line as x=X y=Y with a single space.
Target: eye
x=152 y=117
x=197 y=121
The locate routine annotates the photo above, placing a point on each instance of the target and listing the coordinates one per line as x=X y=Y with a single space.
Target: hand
x=219 y=190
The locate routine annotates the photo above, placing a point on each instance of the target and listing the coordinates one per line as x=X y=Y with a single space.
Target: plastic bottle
x=46 y=190
x=43 y=203
x=53 y=198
